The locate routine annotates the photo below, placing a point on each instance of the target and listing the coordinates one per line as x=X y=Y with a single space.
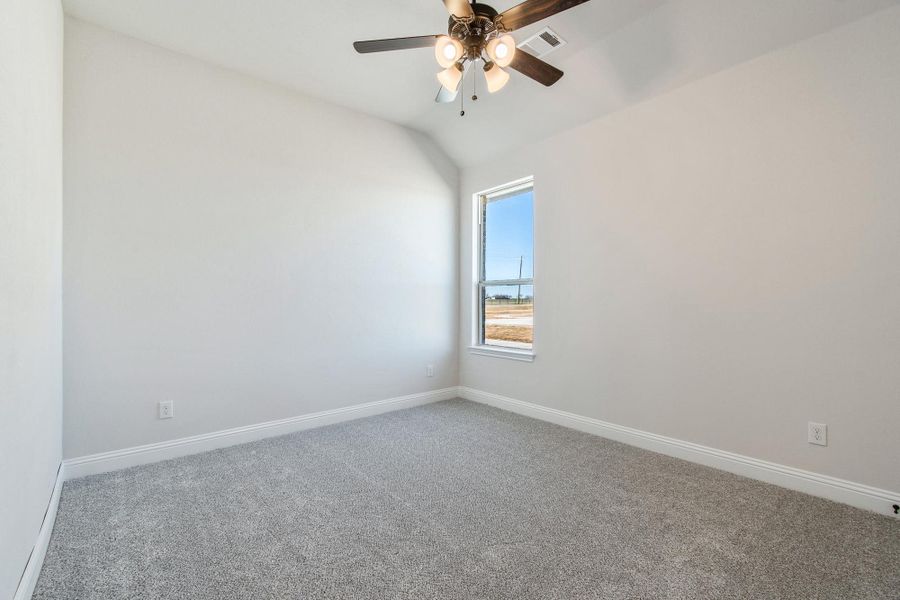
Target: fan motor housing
x=473 y=35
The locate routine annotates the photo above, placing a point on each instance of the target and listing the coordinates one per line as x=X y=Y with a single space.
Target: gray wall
x=722 y=264
x=31 y=37
x=250 y=253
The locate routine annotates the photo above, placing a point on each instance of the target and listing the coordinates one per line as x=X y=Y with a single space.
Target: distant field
x=509 y=323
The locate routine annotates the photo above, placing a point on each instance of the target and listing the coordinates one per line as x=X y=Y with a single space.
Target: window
x=504 y=290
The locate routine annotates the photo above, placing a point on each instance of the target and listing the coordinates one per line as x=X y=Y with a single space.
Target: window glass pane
x=508 y=237
x=508 y=315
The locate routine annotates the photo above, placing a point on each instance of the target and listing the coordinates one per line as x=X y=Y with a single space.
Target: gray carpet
x=455 y=500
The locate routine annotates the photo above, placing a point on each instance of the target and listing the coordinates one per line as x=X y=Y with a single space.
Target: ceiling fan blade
x=459 y=8
x=532 y=11
x=445 y=96
x=533 y=67
x=406 y=43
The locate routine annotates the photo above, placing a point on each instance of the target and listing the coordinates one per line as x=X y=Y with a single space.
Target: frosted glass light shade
x=502 y=50
x=447 y=51
x=495 y=76
x=450 y=77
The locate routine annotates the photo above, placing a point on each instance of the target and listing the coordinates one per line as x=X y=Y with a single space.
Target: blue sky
x=509 y=226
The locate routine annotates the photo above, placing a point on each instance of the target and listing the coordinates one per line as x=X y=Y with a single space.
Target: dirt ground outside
x=509 y=323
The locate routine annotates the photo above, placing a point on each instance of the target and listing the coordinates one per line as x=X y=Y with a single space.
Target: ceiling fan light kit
x=501 y=50
x=478 y=32
x=451 y=76
x=447 y=51
x=495 y=77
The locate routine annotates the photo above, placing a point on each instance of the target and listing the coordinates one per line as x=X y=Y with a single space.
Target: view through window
x=506 y=259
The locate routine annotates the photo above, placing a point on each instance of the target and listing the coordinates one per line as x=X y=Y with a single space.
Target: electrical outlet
x=817 y=433
x=429 y=370
x=166 y=409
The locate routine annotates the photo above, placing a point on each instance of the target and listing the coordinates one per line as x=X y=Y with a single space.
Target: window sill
x=498 y=352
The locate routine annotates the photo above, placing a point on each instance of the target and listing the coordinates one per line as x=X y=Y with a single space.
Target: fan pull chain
x=474 y=81
x=462 y=95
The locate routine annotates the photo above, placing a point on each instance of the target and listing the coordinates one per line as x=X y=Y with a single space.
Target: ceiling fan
x=478 y=32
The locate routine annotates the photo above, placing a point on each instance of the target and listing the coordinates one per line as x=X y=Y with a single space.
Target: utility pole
x=519 y=288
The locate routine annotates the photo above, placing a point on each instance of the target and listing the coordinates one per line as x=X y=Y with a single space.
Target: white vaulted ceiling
x=619 y=52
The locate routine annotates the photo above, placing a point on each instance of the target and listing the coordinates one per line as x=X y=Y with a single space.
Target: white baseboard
x=832 y=488
x=824 y=486
x=150 y=453
x=36 y=560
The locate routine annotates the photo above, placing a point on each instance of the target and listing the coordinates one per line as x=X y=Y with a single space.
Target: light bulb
x=447 y=51
x=495 y=76
x=502 y=50
x=450 y=77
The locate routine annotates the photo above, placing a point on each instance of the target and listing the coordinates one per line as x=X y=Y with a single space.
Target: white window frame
x=479 y=202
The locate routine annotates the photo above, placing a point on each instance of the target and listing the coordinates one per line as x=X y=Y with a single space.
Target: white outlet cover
x=817 y=433
x=166 y=409
x=429 y=370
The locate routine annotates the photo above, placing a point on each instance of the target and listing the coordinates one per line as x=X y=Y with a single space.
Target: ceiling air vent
x=542 y=43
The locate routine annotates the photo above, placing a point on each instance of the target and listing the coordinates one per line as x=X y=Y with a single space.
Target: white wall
x=722 y=264
x=250 y=253
x=31 y=38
